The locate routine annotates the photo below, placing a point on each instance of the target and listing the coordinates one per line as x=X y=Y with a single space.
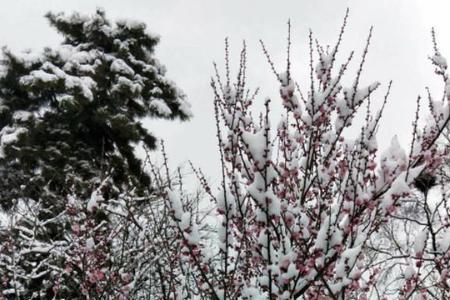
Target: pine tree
x=69 y=121
x=75 y=112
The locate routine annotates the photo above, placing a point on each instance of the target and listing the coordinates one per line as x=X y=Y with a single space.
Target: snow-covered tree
x=300 y=202
x=73 y=113
x=70 y=119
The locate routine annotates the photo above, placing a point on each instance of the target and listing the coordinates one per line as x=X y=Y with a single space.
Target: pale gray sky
x=192 y=34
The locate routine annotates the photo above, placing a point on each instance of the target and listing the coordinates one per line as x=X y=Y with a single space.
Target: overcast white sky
x=192 y=34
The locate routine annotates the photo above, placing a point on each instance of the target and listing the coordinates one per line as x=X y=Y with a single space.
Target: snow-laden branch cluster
x=121 y=248
x=300 y=202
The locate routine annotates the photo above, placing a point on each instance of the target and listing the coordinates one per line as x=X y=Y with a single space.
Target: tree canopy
x=74 y=113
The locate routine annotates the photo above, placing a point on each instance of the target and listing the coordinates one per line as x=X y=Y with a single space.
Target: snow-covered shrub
x=118 y=248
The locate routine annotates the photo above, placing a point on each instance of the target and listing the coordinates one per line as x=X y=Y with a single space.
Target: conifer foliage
x=74 y=112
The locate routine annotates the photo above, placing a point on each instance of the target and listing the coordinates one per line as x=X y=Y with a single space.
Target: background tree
x=412 y=249
x=70 y=119
x=74 y=112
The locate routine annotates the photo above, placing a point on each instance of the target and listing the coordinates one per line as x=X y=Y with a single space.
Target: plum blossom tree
x=300 y=203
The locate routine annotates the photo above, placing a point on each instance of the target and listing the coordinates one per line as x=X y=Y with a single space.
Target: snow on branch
x=299 y=202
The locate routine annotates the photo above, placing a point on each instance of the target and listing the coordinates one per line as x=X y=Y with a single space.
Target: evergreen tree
x=75 y=112
x=69 y=121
